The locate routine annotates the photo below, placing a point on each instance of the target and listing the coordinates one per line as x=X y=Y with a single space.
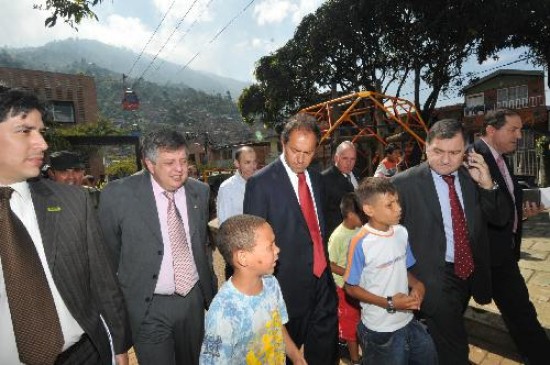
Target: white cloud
x=276 y=11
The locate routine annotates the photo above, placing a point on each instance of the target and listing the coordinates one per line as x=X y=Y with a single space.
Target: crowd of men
x=80 y=286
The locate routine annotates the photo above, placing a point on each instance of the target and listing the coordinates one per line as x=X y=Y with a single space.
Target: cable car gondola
x=130 y=100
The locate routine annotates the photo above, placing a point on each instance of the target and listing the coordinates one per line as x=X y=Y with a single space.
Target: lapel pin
x=54 y=209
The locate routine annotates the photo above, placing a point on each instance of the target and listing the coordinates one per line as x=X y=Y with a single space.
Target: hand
x=122 y=359
x=478 y=169
x=403 y=302
x=531 y=209
x=418 y=291
x=299 y=360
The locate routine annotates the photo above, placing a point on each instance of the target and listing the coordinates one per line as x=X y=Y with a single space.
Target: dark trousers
x=446 y=325
x=172 y=330
x=317 y=329
x=512 y=299
x=81 y=353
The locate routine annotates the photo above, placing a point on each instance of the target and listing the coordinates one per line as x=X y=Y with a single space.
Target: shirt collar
x=22 y=188
x=496 y=155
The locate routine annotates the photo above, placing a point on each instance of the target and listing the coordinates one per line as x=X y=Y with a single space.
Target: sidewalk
x=489 y=339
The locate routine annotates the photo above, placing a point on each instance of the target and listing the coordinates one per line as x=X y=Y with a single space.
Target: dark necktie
x=34 y=317
x=464 y=263
x=185 y=272
x=348 y=177
x=308 y=210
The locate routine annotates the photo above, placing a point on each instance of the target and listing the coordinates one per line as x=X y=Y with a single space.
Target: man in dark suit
x=338 y=180
x=288 y=195
x=55 y=267
x=155 y=223
x=445 y=210
x=500 y=135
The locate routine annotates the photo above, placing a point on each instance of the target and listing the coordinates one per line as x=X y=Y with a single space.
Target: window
x=514 y=97
x=62 y=111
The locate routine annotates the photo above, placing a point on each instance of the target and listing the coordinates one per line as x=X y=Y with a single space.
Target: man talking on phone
x=500 y=135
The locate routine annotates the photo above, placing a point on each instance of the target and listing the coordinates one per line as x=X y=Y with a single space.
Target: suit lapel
x=287 y=190
x=192 y=200
x=431 y=197
x=147 y=206
x=46 y=207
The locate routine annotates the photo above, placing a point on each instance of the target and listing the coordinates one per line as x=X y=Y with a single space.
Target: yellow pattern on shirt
x=268 y=348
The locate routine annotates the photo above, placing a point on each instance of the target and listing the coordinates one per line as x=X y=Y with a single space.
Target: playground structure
x=366 y=114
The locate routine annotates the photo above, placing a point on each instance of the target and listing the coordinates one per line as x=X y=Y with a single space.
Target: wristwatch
x=390 y=308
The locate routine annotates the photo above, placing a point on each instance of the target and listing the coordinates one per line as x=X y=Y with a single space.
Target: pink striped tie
x=185 y=271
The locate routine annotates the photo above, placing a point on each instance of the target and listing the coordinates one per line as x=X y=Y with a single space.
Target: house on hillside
x=71 y=99
x=520 y=90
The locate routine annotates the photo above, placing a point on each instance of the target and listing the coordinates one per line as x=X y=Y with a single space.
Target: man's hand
x=122 y=359
x=478 y=169
x=531 y=209
x=418 y=291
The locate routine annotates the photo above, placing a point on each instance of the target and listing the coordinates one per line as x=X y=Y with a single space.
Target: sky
x=190 y=32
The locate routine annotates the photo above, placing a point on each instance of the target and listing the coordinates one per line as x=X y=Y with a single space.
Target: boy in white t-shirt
x=376 y=274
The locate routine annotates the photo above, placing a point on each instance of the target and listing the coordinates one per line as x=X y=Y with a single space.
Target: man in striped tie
x=155 y=223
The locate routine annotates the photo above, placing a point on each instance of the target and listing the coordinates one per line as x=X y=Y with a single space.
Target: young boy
x=245 y=322
x=376 y=274
x=349 y=312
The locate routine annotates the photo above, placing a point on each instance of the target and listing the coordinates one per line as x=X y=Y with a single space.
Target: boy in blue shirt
x=245 y=322
x=376 y=275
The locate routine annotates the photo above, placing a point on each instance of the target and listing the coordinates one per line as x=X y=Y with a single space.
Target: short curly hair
x=238 y=233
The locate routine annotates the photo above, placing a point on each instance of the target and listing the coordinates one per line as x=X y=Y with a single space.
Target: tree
x=352 y=45
x=71 y=11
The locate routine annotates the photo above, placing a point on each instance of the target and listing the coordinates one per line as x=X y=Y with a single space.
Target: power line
x=151 y=38
x=217 y=34
x=165 y=43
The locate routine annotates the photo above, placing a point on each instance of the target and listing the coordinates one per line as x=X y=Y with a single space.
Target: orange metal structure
x=368 y=112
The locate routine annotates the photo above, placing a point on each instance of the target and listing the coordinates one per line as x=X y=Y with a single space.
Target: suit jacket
x=505 y=246
x=79 y=262
x=336 y=186
x=269 y=194
x=422 y=217
x=129 y=218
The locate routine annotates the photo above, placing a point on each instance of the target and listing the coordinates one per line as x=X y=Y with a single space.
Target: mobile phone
x=531 y=196
x=466 y=157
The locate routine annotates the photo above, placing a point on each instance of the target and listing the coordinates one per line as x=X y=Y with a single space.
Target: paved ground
x=489 y=340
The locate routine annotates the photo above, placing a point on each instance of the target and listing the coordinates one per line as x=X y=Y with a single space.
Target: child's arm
x=417 y=288
x=292 y=350
x=337 y=269
x=400 y=301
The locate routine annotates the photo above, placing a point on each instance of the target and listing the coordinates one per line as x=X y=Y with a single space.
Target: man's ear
x=149 y=165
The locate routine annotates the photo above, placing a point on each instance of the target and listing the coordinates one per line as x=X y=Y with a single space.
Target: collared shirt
x=230 y=197
x=165 y=283
x=294 y=181
x=23 y=207
x=443 y=196
x=496 y=156
x=352 y=179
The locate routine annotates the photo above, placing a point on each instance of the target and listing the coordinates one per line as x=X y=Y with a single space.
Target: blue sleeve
x=217 y=346
x=410 y=257
x=354 y=268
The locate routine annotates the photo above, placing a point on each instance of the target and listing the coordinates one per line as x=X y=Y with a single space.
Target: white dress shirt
x=230 y=197
x=23 y=207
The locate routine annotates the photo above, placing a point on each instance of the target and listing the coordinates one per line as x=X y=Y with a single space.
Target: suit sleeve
x=494 y=206
x=109 y=224
x=105 y=287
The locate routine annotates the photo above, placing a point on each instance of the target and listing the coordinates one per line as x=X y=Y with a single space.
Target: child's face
x=384 y=211
x=265 y=253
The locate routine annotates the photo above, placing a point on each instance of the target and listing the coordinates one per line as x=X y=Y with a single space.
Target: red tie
x=464 y=264
x=306 y=203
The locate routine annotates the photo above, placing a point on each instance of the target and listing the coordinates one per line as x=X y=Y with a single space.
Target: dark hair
x=241 y=150
x=349 y=204
x=167 y=139
x=390 y=148
x=497 y=118
x=18 y=101
x=238 y=233
x=300 y=121
x=446 y=129
x=373 y=186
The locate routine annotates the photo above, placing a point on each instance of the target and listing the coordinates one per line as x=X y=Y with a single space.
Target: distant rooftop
x=504 y=73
